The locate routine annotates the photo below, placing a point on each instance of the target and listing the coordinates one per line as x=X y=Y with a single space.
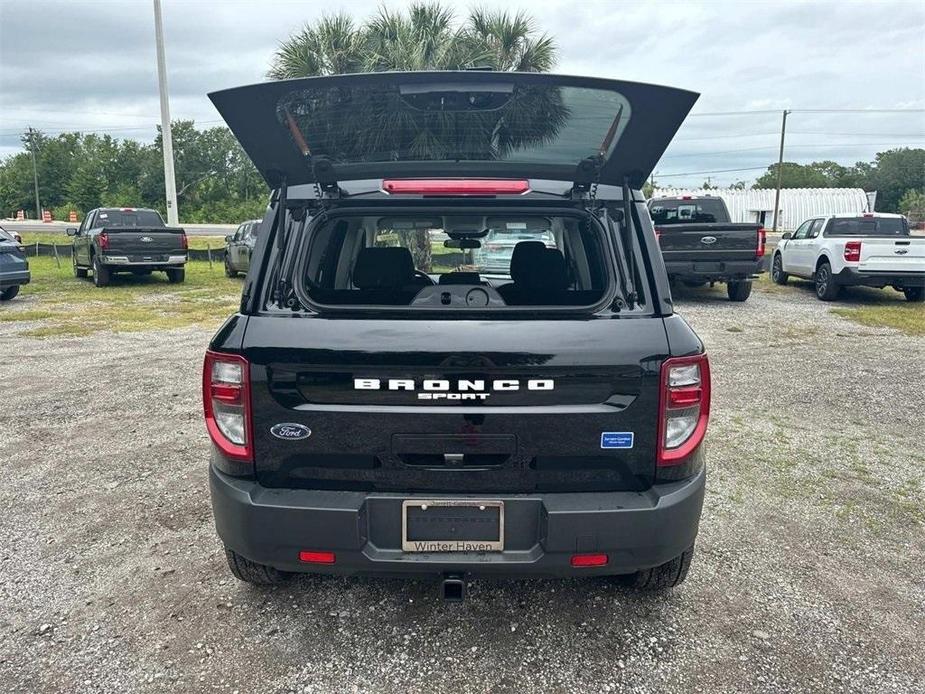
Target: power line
x=772 y=147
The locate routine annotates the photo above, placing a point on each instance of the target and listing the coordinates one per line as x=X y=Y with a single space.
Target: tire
x=9 y=293
x=228 y=271
x=739 y=291
x=826 y=289
x=252 y=572
x=101 y=274
x=668 y=575
x=79 y=272
x=777 y=270
x=176 y=276
x=915 y=294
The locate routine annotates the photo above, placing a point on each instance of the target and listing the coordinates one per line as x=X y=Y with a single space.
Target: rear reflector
x=684 y=407
x=582 y=560
x=853 y=251
x=317 y=557
x=455 y=186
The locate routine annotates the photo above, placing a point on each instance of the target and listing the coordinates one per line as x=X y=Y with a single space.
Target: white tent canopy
x=796 y=204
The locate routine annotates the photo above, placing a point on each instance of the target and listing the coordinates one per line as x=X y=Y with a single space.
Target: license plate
x=450 y=525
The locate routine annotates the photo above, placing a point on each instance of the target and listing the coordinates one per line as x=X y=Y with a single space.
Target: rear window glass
x=4 y=235
x=430 y=261
x=129 y=218
x=666 y=212
x=512 y=122
x=867 y=226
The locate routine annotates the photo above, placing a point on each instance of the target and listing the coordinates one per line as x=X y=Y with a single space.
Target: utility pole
x=170 y=183
x=780 y=171
x=35 y=173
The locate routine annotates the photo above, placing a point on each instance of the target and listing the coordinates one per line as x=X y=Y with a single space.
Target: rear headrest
x=383 y=268
x=533 y=266
x=460 y=278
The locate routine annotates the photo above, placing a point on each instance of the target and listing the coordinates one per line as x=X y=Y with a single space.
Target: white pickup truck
x=871 y=249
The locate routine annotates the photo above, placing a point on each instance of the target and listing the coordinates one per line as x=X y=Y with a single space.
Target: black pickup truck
x=700 y=244
x=373 y=410
x=127 y=239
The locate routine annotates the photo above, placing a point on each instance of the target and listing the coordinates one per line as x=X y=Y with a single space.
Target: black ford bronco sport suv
x=379 y=406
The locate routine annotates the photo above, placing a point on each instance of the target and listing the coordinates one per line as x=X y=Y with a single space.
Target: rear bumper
x=117 y=260
x=635 y=529
x=12 y=279
x=716 y=271
x=850 y=276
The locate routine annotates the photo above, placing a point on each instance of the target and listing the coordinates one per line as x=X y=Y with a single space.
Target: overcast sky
x=91 y=66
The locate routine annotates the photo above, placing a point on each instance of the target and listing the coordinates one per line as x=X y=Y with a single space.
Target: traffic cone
x=72 y=217
x=46 y=216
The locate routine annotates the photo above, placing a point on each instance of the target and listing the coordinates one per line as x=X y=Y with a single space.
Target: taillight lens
x=853 y=251
x=658 y=235
x=226 y=403
x=184 y=242
x=684 y=407
x=762 y=242
x=103 y=240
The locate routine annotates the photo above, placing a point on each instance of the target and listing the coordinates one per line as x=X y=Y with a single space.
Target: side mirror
x=71 y=231
x=228 y=238
x=787 y=235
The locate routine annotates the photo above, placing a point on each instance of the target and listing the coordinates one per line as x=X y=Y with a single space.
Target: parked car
x=127 y=239
x=700 y=244
x=497 y=247
x=14 y=268
x=367 y=417
x=239 y=246
x=870 y=249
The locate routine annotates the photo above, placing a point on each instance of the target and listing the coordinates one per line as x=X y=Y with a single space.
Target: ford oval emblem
x=290 y=432
x=708 y=239
x=146 y=239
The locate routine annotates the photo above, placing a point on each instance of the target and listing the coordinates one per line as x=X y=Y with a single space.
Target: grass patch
x=908 y=318
x=65 y=305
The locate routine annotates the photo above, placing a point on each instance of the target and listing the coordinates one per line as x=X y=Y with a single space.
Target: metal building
x=796 y=204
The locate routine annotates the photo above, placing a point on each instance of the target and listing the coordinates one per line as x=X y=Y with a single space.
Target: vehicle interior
x=433 y=260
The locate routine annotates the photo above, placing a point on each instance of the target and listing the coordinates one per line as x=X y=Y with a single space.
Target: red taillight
x=684 y=407
x=762 y=242
x=455 y=186
x=226 y=403
x=582 y=560
x=317 y=557
x=658 y=234
x=103 y=240
x=184 y=242
x=853 y=251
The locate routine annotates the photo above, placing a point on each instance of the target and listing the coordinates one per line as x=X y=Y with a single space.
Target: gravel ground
x=808 y=577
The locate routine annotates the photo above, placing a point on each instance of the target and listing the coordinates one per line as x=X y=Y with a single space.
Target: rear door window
x=130 y=218
x=666 y=212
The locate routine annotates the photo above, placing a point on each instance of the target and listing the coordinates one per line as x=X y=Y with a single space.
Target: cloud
x=90 y=65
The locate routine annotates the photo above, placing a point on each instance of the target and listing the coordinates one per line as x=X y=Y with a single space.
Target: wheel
x=79 y=272
x=739 y=291
x=228 y=271
x=176 y=276
x=252 y=572
x=9 y=293
x=915 y=294
x=101 y=273
x=668 y=575
x=826 y=289
x=777 y=270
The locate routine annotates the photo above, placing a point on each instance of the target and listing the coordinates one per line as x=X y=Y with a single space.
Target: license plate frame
x=452 y=545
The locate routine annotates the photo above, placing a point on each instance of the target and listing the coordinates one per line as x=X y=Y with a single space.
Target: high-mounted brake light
x=684 y=407
x=853 y=251
x=226 y=403
x=762 y=242
x=103 y=240
x=455 y=186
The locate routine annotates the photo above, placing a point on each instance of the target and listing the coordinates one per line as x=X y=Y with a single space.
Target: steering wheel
x=424 y=275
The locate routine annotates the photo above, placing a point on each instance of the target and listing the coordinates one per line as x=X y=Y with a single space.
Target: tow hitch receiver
x=453 y=588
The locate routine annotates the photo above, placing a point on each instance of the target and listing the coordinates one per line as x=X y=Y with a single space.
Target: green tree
x=895 y=172
x=912 y=204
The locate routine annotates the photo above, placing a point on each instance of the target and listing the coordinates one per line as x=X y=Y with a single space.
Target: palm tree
x=427 y=37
